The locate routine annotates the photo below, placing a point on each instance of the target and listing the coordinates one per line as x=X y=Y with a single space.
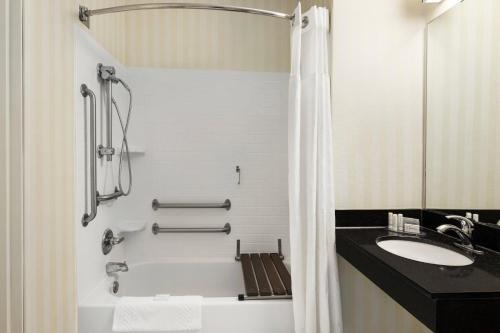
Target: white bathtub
x=219 y=283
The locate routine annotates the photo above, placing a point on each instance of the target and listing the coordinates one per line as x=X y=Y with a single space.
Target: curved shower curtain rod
x=86 y=13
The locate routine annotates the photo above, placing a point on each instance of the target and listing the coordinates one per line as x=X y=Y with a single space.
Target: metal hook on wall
x=238 y=171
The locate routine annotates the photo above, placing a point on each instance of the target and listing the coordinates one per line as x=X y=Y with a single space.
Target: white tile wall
x=195 y=128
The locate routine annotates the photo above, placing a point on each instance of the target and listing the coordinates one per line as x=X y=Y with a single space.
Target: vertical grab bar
x=87 y=218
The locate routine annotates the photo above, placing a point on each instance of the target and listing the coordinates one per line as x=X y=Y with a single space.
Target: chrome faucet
x=114 y=267
x=465 y=243
x=467 y=225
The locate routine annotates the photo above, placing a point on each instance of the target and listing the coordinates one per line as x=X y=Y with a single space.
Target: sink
x=419 y=250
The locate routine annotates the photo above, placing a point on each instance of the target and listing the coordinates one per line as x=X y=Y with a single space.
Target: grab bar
x=157 y=229
x=226 y=204
x=87 y=218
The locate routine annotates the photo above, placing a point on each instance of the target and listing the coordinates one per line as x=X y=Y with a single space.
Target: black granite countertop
x=444 y=298
x=481 y=278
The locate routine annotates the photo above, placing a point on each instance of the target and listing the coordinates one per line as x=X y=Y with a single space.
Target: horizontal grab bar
x=157 y=229
x=226 y=204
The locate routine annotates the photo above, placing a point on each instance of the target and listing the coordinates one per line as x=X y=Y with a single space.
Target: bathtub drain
x=115 y=287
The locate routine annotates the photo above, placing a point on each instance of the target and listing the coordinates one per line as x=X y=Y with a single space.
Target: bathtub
x=218 y=282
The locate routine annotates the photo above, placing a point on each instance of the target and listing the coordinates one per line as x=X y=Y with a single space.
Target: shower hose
x=124 y=150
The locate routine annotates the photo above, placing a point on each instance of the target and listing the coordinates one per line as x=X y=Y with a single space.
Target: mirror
x=463 y=111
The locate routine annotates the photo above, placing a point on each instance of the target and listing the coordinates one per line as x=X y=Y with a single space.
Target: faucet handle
x=109 y=240
x=467 y=224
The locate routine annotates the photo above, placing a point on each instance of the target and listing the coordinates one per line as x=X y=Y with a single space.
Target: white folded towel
x=151 y=314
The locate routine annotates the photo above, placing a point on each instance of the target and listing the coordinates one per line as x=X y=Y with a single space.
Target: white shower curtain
x=315 y=286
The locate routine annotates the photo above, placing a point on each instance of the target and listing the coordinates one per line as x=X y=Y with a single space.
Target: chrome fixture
x=109 y=240
x=88 y=217
x=85 y=13
x=238 y=171
x=107 y=76
x=280 y=254
x=242 y=297
x=237 y=257
x=464 y=238
x=467 y=225
x=157 y=229
x=156 y=204
x=115 y=267
x=115 y=287
x=108 y=197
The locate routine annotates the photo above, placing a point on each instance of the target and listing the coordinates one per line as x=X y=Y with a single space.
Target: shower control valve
x=109 y=240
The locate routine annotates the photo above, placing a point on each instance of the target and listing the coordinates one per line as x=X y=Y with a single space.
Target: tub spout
x=114 y=267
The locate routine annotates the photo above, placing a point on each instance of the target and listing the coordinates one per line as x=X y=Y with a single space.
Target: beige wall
x=108 y=30
x=378 y=59
x=50 y=302
x=11 y=259
x=378 y=75
x=210 y=40
x=49 y=236
x=366 y=308
x=199 y=39
x=463 y=109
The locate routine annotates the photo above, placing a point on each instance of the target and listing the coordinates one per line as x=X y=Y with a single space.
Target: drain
x=115 y=287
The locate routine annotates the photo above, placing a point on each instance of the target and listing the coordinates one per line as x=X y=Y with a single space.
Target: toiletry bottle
x=400 y=223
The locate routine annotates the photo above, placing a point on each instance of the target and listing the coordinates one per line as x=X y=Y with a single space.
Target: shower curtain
x=315 y=286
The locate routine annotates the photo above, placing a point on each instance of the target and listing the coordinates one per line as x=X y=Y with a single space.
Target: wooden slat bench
x=265 y=275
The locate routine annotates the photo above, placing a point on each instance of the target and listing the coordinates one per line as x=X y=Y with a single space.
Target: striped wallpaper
x=377 y=87
x=210 y=40
x=463 y=140
x=108 y=30
x=4 y=170
x=49 y=302
x=199 y=39
x=11 y=177
x=49 y=238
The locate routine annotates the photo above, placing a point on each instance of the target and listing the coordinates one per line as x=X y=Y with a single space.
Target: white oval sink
x=424 y=252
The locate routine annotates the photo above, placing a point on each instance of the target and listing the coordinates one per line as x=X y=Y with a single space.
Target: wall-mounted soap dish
x=129 y=225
